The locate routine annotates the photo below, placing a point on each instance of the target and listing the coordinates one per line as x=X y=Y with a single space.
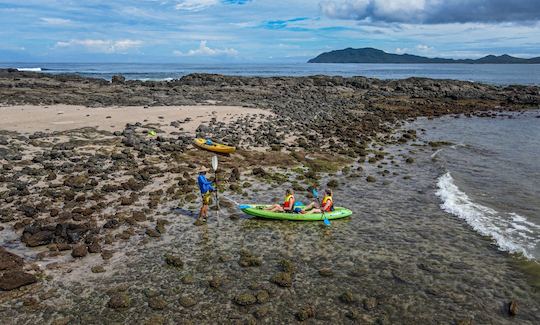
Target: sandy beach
x=33 y=118
x=97 y=218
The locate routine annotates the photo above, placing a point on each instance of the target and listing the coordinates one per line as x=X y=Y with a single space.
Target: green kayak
x=257 y=210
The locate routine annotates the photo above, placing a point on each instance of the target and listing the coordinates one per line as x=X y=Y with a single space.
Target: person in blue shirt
x=206 y=188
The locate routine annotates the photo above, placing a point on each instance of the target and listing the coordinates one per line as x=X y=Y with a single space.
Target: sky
x=169 y=31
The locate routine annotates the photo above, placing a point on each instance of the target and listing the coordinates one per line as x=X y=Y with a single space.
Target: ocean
x=500 y=74
x=490 y=176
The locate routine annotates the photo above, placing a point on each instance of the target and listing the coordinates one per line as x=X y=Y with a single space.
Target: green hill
x=371 y=55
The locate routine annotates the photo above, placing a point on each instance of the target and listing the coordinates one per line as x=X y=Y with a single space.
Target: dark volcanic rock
x=79 y=251
x=10 y=261
x=15 y=279
x=119 y=300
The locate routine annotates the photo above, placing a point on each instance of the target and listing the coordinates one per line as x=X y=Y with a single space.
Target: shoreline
x=119 y=189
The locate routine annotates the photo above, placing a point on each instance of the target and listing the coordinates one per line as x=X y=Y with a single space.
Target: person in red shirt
x=288 y=204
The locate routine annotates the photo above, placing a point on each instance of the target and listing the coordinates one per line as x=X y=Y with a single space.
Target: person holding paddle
x=327 y=204
x=206 y=188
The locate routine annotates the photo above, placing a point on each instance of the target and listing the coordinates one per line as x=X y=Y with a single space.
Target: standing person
x=206 y=188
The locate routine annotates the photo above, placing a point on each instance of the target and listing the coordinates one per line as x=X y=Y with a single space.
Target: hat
x=203 y=169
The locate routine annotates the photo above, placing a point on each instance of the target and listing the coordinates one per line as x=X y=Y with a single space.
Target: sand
x=32 y=118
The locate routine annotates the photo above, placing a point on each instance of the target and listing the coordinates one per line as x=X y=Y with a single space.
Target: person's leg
x=205 y=211
x=272 y=207
x=311 y=206
x=278 y=208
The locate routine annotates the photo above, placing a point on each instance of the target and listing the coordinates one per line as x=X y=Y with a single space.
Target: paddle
x=215 y=167
x=316 y=194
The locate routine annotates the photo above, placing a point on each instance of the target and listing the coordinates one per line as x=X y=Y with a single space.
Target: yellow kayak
x=209 y=145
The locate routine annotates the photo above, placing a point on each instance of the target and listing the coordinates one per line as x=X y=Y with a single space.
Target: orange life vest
x=289 y=202
x=324 y=202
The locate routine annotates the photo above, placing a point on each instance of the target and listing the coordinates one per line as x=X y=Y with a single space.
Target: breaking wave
x=29 y=69
x=512 y=232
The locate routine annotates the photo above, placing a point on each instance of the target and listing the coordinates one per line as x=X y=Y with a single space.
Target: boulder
x=10 y=261
x=119 y=300
x=79 y=251
x=15 y=279
x=43 y=237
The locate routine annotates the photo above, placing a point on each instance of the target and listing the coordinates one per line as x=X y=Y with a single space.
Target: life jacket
x=325 y=200
x=289 y=202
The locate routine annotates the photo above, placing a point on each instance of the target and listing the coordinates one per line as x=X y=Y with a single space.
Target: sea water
x=500 y=74
x=490 y=176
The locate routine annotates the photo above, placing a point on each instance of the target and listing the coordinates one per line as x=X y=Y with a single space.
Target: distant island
x=371 y=55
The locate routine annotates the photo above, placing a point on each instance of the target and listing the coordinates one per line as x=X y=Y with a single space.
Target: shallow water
x=491 y=176
x=420 y=264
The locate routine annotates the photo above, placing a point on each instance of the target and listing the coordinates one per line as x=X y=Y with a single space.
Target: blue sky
x=261 y=30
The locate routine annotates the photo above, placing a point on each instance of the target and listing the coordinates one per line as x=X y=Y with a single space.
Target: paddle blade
x=326 y=222
x=214 y=163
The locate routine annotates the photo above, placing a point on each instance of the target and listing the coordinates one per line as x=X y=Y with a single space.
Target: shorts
x=206 y=198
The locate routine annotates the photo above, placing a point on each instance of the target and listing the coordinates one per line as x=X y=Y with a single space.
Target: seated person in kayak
x=288 y=204
x=327 y=204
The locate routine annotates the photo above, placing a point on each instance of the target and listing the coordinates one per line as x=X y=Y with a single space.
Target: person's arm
x=209 y=184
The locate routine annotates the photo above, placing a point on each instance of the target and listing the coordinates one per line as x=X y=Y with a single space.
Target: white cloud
x=103 y=46
x=56 y=21
x=195 y=5
x=204 y=50
x=400 y=50
x=424 y=48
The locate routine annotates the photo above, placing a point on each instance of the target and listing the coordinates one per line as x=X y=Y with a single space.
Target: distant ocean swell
x=512 y=232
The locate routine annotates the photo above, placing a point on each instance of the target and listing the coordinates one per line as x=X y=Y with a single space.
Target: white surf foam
x=512 y=232
x=29 y=69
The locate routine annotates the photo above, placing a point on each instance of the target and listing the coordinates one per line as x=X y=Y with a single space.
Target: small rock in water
x=262 y=296
x=94 y=248
x=188 y=279
x=153 y=233
x=106 y=254
x=98 y=269
x=261 y=312
x=347 y=297
x=371 y=179
x=119 y=300
x=287 y=266
x=305 y=313
x=173 y=260
x=79 y=251
x=157 y=303
x=215 y=282
x=282 y=279
x=370 y=303
x=248 y=259
x=245 y=299
x=326 y=272
x=186 y=301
